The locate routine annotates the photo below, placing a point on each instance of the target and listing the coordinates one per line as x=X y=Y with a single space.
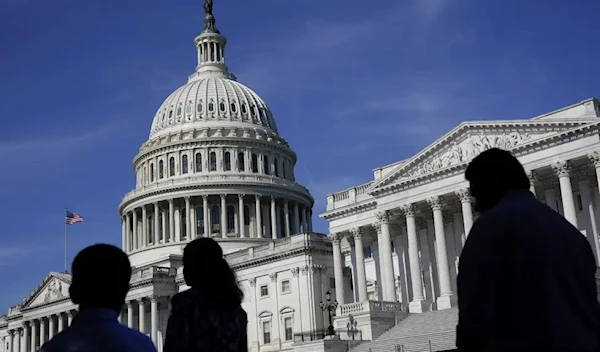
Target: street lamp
x=329 y=307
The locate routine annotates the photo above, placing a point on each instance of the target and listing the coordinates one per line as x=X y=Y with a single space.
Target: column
x=359 y=254
x=124 y=233
x=286 y=211
x=338 y=268
x=590 y=218
x=11 y=339
x=142 y=316
x=154 y=318
x=51 y=328
x=128 y=245
x=310 y=229
x=61 y=322
x=33 y=342
x=129 y=314
x=258 y=211
x=17 y=340
x=532 y=180
x=205 y=215
x=171 y=221
x=144 y=237
x=188 y=219
x=25 y=337
x=467 y=212
x=304 y=221
x=193 y=221
x=164 y=225
x=382 y=226
x=135 y=241
x=296 y=225
x=223 y=216
x=242 y=216
x=441 y=253
x=42 y=331
x=563 y=171
x=273 y=219
x=69 y=318
x=155 y=240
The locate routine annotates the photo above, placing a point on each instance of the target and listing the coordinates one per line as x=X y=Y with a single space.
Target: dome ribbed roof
x=212 y=102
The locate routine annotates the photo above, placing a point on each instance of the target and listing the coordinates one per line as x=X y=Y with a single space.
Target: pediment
x=467 y=140
x=54 y=287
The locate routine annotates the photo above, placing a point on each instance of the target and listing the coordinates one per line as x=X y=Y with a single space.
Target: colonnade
x=140 y=306
x=214 y=215
x=389 y=223
x=35 y=332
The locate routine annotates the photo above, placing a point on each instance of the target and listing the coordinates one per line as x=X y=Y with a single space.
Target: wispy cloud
x=14 y=254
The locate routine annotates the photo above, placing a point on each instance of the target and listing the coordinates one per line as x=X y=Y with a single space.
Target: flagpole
x=66 y=236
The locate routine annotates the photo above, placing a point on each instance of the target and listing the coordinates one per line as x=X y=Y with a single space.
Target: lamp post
x=329 y=306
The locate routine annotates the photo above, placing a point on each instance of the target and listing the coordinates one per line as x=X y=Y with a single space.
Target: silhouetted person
x=208 y=317
x=99 y=284
x=527 y=276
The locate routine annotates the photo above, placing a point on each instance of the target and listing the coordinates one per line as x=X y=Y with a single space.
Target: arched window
x=253 y=110
x=266 y=165
x=276 y=167
x=233 y=107
x=170 y=113
x=213 y=161
x=211 y=106
x=161 y=169
x=244 y=108
x=184 y=164
x=222 y=106
x=241 y=163
x=200 y=220
x=255 y=163
x=230 y=218
x=246 y=215
x=144 y=177
x=151 y=172
x=198 y=162
x=171 y=166
x=179 y=111
x=199 y=107
x=227 y=161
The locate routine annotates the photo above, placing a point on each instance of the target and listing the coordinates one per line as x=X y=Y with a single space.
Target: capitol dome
x=214 y=165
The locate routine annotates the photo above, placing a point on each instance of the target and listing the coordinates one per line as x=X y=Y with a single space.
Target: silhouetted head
x=205 y=269
x=493 y=174
x=100 y=277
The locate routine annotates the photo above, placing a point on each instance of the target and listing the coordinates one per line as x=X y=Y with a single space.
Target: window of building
x=246 y=215
x=275 y=164
x=188 y=108
x=332 y=282
x=184 y=164
x=144 y=175
x=285 y=286
x=222 y=106
x=198 y=162
x=227 y=161
x=211 y=106
x=289 y=330
x=241 y=163
x=171 y=166
x=264 y=291
x=151 y=172
x=367 y=252
x=244 y=108
x=233 y=107
x=179 y=111
x=230 y=218
x=254 y=163
x=266 y=165
x=199 y=108
x=253 y=110
x=200 y=220
x=214 y=215
x=170 y=113
x=266 y=327
x=213 y=161
x=161 y=168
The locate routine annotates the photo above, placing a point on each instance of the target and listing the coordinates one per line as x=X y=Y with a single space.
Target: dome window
x=163 y=118
x=151 y=172
x=244 y=109
x=233 y=107
x=172 y=166
x=184 y=164
x=266 y=165
x=211 y=107
x=170 y=113
x=241 y=161
x=199 y=108
x=227 y=161
x=188 y=109
x=222 y=106
x=179 y=111
x=253 y=110
x=198 y=162
x=213 y=161
x=161 y=169
x=255 y=163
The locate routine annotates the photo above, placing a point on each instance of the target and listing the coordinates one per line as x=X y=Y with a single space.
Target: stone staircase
x=425 y=332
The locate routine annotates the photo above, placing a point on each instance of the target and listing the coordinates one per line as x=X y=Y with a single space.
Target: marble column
x=382 y=226
x=34 y=334
x=338 y=267
x=156 y=225
x=206 y=215
x=444 y=300
x=129 y=314
x=563 y=171
x=532 y=181
x=416 y=305
x=144 y=237
x=69 y=318
x=188 y=219
x=42 y=331
x=141 y=316
x=135 y=239
x=51 y=327
x=124 y=233
x=25 y=340
x=11 y=340
x=273 y=219
x=467 y=211
x=171 y=221
x=61 y=322
x=258 y=211
x=359 y=254
x=128 y=242
x=154 y=319
x=286 y=211
x=296 y=225
x=242 y=216
x=17 y=340
x=223 y=215
x=589 y=215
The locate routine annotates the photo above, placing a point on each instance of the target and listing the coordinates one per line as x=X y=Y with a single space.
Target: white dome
x=212 y=102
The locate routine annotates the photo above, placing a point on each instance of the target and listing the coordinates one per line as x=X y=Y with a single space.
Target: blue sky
x=353 y=85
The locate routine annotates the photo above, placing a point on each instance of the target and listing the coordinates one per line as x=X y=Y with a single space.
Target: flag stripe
x=73 y=218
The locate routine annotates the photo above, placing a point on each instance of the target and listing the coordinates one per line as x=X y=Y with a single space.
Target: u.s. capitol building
x=215 y=165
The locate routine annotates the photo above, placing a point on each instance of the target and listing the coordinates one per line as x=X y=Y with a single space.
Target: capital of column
x=241 y=196
x=223 y=196
x=257 y=197
x=252 y=281
x=154 y=298
x=464 y=195
x=562 y=168
x=356 y=232
x=205 y=198
x=295 y=271
x=273 y=199
x=273 y=277
x=595 y=159
x=408 y=210
x=129 y=304
x=140 y=300
x=171 y=201
x=187 y=198
x=335 y=238
x=382 y=216
x=435 y=203
x=532 y=175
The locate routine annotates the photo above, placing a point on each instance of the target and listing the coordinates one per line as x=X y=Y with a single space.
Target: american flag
x=73 y=218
